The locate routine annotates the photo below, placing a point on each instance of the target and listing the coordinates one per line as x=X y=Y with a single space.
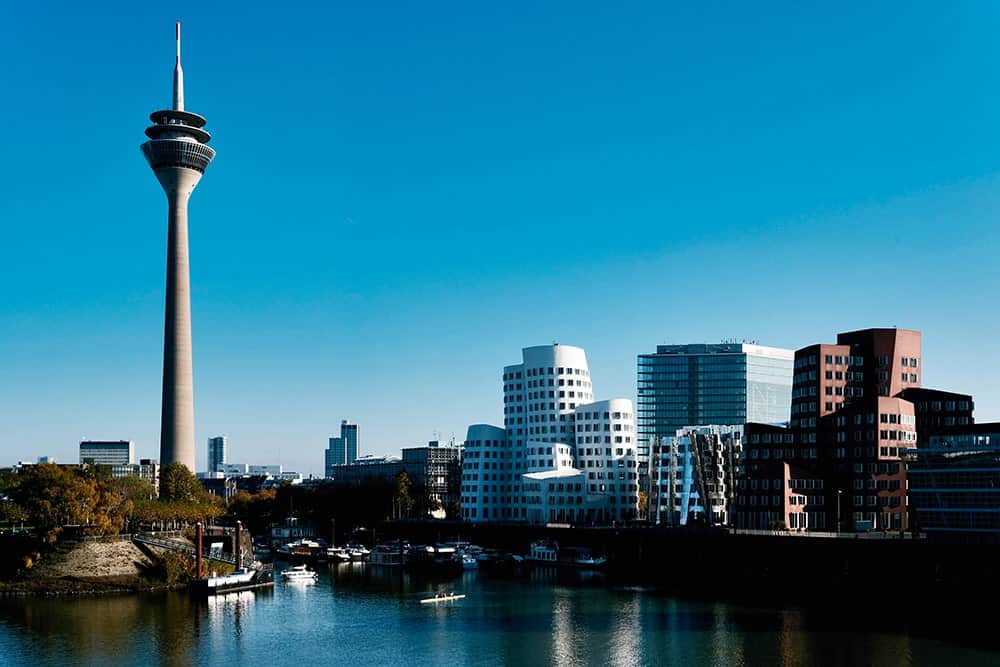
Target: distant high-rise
x=349 y=434
x=107 y=452
x=701 y=384
x=342 y=450
x=177 y=153
x=218 y=452
x=334 y=456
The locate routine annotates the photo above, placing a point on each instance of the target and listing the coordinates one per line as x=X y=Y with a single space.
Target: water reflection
x=364 y=615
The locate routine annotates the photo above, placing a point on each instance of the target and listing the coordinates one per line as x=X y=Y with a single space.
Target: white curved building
x=539 y=474
x=486 y=474
x=606 y=452
x=556 y=380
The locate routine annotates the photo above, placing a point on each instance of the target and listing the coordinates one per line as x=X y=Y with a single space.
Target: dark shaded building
x=435 y=471
x=955 y=485
x=343 y=449
x=845 y=441
x=938 y=411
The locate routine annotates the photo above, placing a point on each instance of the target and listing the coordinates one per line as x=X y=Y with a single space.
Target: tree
x=404 y=501
x=643 y=503
x=53 y=496
x=255 y=510
x=177 y=483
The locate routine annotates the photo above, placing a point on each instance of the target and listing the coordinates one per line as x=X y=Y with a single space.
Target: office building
x=107 y=452
x=938 y=412
x=726 y=384
x=178 y=154
x=434 y=470
x=699 y=462
x=147 y=469
x=848 y=431
x=343 y=449
x=218 y=452
x=351 y=439
x=954 y=484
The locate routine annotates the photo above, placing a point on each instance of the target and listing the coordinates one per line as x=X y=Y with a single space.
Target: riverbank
x=98 y=568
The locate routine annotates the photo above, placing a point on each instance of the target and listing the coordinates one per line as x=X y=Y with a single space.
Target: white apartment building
x=541 y=469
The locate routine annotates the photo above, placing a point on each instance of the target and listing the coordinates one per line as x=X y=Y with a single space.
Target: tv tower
x=177 y=153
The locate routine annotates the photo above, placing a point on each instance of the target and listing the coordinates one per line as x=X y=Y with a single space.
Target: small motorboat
x=443 y=597
x=299 y=573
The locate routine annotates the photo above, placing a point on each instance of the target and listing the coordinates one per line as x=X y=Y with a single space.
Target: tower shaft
x=177 y=410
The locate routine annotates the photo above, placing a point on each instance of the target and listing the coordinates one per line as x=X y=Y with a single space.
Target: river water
x=363 y=615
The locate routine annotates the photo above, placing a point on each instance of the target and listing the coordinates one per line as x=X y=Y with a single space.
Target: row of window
x=533 y=384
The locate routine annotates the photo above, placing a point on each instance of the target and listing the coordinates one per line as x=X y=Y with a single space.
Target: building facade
x=343 y=449
x=555 y=437
x=487 y=474
x=845 y=441
x=699 y=462
x=107 y=452
x=727 y=384
x=218 y=452
x=435 y=472
x=147 y=469
x=954 y=485
x=939 y=412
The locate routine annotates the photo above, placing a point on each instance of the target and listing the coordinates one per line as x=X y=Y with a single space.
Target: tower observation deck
x=179 y=156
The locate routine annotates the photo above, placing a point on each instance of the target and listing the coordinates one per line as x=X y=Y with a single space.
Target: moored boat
x=299 y=573
x=548 y=552
x=389 y=555
x=233 y=582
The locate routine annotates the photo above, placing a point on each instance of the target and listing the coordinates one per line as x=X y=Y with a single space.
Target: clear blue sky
x=405 y=195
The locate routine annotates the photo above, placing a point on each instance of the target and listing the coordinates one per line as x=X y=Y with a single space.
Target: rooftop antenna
x=178 y=75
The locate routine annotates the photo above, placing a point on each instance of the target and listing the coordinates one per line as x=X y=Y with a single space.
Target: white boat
x=469 y=562
x=357 y=551
x=338 y=555
x=238 y=580
x=299 y=573
x=443 y=597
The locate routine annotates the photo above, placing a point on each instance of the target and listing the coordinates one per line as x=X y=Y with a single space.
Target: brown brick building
x=838 y=466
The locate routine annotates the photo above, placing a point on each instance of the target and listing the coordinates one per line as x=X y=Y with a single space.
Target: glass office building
x=710 y=384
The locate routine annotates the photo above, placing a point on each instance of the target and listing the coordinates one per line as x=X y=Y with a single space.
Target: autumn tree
x=53 y=496
x=177 y=483
x=404 y=501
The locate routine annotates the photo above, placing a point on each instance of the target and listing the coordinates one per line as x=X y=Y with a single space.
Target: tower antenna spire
x=178 y=75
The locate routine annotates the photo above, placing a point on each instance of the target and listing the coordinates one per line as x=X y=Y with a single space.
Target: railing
x=873 y=535
x=175 y=545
